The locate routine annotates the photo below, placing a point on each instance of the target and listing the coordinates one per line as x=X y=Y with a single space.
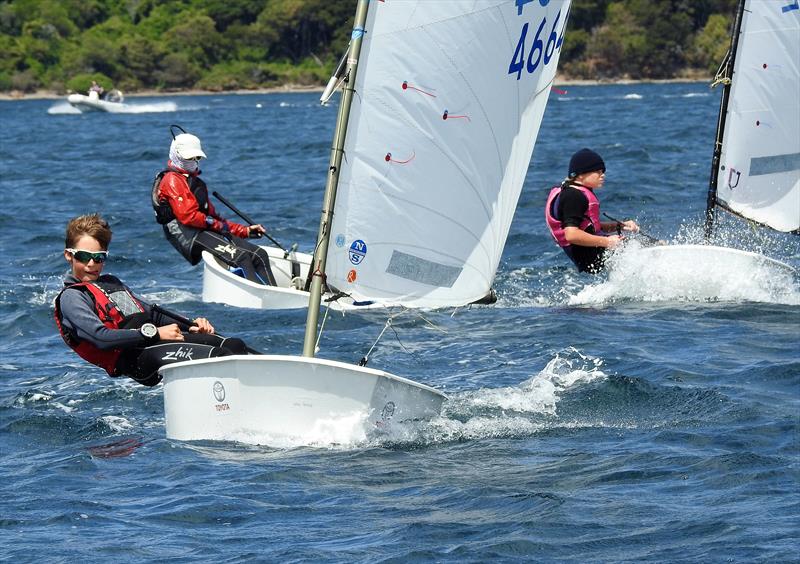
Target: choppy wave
x=657 y=406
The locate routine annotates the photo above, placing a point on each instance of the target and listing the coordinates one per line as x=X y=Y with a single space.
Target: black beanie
x=585 y=160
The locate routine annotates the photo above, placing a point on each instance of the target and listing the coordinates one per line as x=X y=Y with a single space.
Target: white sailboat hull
x=222 y=286
x=259 y=399
x=92 y=104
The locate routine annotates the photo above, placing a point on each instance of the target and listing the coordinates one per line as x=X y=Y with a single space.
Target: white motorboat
x=113 y=101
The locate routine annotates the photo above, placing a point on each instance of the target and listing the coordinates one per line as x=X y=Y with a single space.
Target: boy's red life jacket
x=592 y=216
x=113 y=303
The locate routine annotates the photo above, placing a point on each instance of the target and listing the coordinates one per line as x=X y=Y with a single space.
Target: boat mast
x=724 y=75
x=337 y=152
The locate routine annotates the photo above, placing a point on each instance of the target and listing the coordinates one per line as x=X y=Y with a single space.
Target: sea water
x=590 y=418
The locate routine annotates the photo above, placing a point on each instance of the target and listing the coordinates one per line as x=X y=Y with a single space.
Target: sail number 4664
x=542 y=49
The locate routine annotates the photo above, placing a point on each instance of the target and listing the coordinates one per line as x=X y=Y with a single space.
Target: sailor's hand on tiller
x=630 y=225
x=612 y=241
x=256 y=231
x=201 y=325
x=170 y=332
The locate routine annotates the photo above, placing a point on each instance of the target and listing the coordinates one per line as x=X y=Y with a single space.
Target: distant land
x=49 y=48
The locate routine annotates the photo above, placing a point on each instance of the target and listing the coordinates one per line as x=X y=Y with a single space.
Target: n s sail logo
x=357 y=252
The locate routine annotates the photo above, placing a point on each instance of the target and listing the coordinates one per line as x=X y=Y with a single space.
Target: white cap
x=188 y=146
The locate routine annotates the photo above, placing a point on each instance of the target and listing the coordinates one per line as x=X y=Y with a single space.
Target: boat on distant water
x=112 y=101
x=437 y=122
x=755 y=170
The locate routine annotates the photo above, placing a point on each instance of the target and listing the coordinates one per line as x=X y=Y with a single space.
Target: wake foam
x=514 y=411
x=64 y=108
x=693 y=273
x=341 y=432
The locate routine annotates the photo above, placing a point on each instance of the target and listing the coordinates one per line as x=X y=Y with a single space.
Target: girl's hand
x=613 y=241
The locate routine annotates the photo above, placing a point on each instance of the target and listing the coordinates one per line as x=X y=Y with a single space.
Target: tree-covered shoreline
x=232 y=45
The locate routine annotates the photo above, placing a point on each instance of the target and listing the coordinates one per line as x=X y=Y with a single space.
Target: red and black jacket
x=185 y=199
x=113 y=303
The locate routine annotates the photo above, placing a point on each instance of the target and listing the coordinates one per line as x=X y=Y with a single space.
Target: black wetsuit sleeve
x=80 y=318
x=572 y=208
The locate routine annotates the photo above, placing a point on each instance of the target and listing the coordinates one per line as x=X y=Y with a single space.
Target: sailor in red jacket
x=190 y=222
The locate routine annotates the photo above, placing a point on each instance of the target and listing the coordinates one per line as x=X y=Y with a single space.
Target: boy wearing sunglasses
x=108 y=325
x=572 y=213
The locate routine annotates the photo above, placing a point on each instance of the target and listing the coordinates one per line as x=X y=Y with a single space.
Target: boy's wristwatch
x=149 y=332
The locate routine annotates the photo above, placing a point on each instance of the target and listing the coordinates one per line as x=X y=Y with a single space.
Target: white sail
x=449 y=98
x=759 y=172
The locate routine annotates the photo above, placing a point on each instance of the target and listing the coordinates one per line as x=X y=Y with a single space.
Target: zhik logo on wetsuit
x=180 y=354
x=230 y=249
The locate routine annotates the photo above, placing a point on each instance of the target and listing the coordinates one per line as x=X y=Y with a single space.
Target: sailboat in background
x=755 y=171
x=441 y=105
x=756 y=165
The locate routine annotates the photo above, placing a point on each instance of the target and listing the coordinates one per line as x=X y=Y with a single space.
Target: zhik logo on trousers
x=180 y=354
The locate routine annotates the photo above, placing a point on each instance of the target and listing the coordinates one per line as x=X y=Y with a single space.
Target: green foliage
x=586 y=14
x=572 y=61
x=228 y=12
x=80 y=83
x=710 y=45
x=240 y=44
x=177 y=71
x=138 y=57
x=196 y=37
x=303 y=27
x=644 y=39
x=24 y=81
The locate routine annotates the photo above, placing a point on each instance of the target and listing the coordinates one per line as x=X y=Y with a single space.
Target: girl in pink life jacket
x=572 y=213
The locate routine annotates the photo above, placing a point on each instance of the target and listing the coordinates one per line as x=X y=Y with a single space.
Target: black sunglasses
x=85 y=256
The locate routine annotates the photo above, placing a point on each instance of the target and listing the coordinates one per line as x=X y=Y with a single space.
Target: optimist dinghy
x=438 y=118
x=755 y=170
x=222 y=285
